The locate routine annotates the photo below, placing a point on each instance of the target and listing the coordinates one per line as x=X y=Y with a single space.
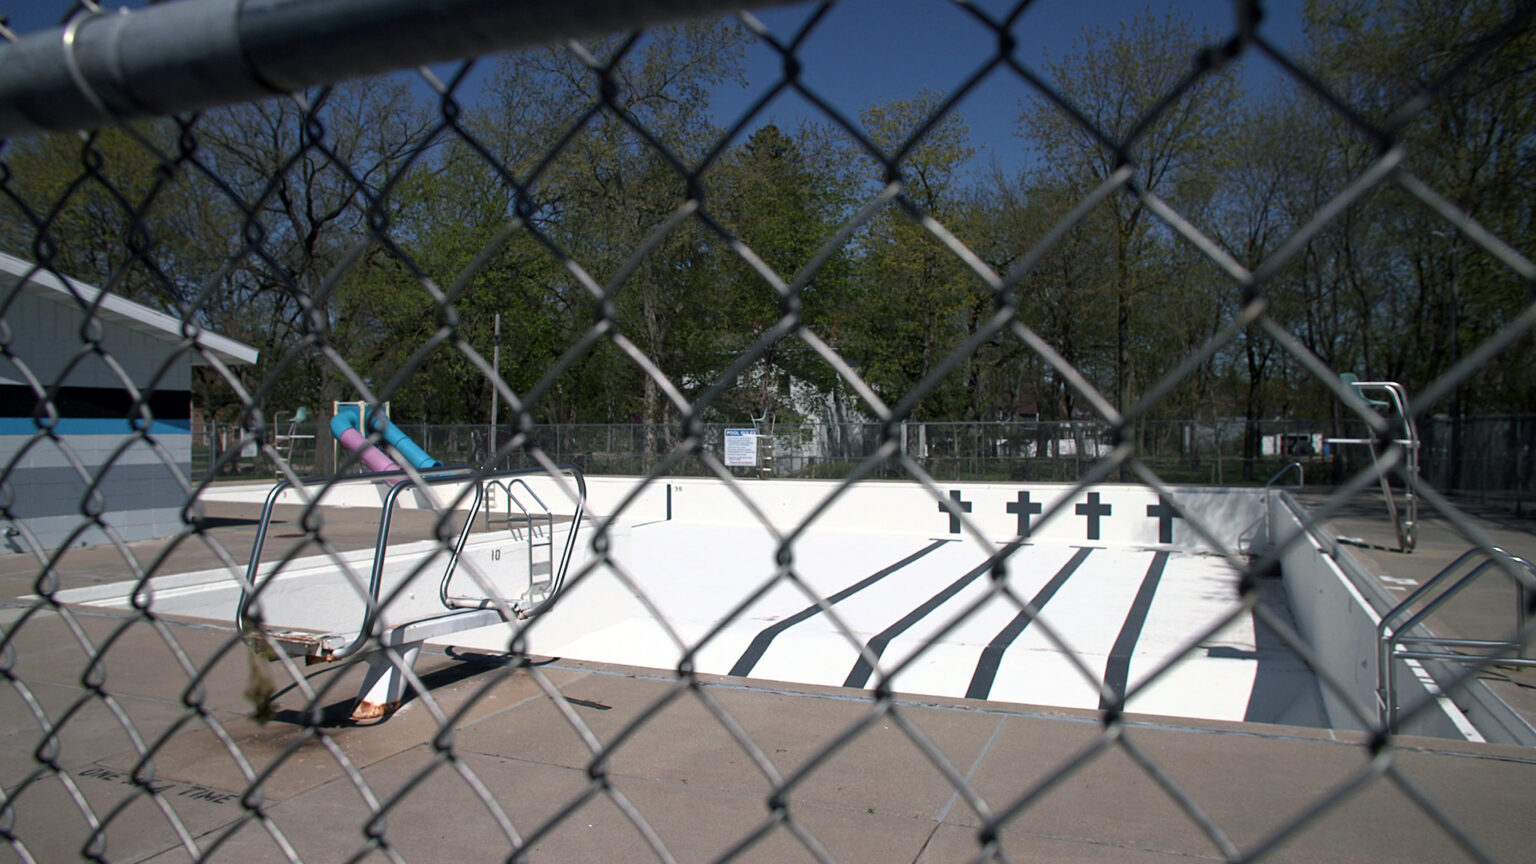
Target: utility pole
x=490 y=436
x=1454 y=481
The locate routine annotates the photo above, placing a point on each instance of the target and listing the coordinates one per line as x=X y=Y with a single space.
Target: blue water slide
x=345 y=427
x=408 y=449
x=345 y=418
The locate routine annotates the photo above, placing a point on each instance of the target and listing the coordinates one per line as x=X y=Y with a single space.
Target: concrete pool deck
x=879 y=797
x=1486 y=608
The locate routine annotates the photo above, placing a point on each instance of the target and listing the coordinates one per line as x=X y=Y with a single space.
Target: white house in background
x=43 y=483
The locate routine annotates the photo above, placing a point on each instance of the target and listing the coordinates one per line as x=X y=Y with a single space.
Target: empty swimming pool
x=930 y=614
x=881 y=588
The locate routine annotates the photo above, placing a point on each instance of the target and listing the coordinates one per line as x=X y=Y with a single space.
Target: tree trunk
x=330 y=392
x=1254 y=410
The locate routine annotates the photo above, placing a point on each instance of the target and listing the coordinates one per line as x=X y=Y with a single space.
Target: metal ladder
x=1247 y=541
x=541 y=552
x=1405 y=521
x=283 y=442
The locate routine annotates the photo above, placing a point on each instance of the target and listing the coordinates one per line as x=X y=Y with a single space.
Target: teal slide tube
x=408 y=449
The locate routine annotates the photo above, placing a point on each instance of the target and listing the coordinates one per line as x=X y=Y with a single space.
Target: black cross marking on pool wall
x=1025 y=509
x=1093 y=510
x=954 y=521
x=1165 y=514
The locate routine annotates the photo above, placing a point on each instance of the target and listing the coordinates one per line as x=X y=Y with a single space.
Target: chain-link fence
x=1486 y=459
x=564 y=244
x=1209 y=452
x=1493 y=465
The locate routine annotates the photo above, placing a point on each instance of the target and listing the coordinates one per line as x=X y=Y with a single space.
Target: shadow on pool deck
x=876 y=796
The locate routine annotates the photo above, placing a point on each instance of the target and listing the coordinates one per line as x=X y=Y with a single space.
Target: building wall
x=140 y=495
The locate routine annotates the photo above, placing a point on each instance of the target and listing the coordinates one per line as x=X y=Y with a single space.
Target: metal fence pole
x=176 y=57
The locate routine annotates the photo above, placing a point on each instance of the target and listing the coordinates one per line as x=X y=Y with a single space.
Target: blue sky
x=904 y=46
x=872 y=51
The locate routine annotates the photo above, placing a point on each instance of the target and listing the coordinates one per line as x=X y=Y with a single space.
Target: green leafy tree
x=1117 y=79
x=783 y=206
x=305 y=176
x=601 y=197
x=917 y=300
x=1063 y=298
x=1468 y=68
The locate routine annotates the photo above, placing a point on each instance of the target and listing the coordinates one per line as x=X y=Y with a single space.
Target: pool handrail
x=400 y=481
x=1387 y=644
x=557 y=574
x=1301 y=477
x=1301 y=482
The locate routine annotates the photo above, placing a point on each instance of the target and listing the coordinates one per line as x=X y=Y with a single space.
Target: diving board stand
x=1405 y=519
x=325 y=613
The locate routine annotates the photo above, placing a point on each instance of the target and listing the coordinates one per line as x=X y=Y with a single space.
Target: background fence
x=1491 y=461
x=209 y=240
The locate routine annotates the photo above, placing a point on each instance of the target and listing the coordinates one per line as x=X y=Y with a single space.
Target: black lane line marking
x=859 y=675
x=762 y=640
x=1117 y=672
x=992 y=655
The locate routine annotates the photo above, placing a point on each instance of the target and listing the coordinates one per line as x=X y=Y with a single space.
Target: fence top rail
x=105 y=68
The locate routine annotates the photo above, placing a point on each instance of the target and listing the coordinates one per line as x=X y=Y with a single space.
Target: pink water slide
x=373 y=457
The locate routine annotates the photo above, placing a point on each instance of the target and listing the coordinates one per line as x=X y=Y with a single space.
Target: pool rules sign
x=741 y=448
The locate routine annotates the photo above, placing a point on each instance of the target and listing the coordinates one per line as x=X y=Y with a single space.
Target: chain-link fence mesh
x=1494 y=465
x=564 y=239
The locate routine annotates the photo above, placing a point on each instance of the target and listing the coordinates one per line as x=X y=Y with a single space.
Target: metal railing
x=1405 y=521
x=1301 y=481
x=1397 y=643
x=539 y=597
x=326 y=648
x=399 y=643
x=1301 y=477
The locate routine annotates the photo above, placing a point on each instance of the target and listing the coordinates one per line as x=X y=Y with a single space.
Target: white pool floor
x=926 y=608
x=1122 y=612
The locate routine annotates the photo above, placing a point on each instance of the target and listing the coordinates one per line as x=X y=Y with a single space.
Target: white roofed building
x=46 y=497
